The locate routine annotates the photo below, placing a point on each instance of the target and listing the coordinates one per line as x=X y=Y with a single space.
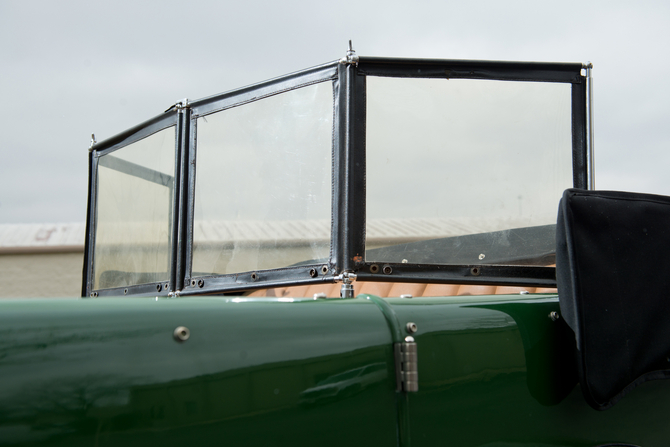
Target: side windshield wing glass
x=465 y=171
x=263 y=183
x=134 y=212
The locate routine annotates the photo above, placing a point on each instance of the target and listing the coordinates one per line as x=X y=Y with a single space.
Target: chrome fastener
x=181 y=333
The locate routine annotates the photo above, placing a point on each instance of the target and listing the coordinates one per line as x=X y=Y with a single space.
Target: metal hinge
x=182 y=105
x=347 y=278
x=179 y=106
x=406 y=366
x=351 y=58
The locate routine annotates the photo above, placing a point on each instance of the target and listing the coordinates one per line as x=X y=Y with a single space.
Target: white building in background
x=41 y=260
x=46 y=260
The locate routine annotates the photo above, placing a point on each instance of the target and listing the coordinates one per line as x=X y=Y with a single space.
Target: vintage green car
x=360 y=253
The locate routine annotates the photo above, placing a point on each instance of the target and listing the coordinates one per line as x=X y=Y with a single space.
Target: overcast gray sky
x=72 y=68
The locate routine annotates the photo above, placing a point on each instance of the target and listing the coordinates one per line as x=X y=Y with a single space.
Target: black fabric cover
x=612 y=270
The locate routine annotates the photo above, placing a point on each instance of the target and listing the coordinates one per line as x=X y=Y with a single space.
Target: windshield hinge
x=347 y=278
x=406 y=366
x=179 y=106
x=351 y=57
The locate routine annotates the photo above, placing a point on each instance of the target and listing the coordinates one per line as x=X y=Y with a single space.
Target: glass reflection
x=448 y=158
x=263 y=183
x=134 y=212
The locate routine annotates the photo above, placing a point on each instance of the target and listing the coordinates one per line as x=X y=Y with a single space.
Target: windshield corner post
x=349 y=243
x=87 y=271
x=580 y=156
x=590 y=137
x=180 y=198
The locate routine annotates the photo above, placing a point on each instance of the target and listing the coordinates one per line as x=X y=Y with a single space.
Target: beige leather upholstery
x=390 y=289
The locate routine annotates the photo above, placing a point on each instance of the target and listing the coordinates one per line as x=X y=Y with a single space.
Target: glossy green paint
x=253 y=372
x=493 y=371
x=497 y=371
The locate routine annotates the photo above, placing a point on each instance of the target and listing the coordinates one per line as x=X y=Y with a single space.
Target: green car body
x=493 y=370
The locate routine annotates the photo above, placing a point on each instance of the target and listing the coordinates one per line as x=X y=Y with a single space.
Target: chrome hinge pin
x=407 y=367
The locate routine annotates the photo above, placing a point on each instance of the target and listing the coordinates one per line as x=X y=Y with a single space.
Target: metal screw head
x=409 y=339
x=193 y=282
x=324 y=269
x=158 y=287
x=254 y=276
x=201 y=283
x=411 y=327
x=313 y=273
x=374 y=268
x=125 y=291
x=474 y=271
x=181 y=333
x=554 y=315
x=387 y=269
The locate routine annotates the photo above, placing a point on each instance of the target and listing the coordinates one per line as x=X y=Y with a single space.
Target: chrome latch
x=406 y=366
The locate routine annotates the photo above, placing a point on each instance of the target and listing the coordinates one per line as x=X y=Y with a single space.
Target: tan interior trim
x=390 y=289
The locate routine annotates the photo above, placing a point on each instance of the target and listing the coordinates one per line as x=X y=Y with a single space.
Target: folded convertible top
x=612 y=274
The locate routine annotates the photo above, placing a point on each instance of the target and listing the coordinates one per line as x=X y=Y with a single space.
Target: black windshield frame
x=347 y=246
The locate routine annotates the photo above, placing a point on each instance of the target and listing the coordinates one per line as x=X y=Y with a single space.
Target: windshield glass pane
x=465 y=171
x=134 y=212
x=263 y=183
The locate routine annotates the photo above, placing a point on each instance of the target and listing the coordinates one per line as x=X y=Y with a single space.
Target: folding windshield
x=433 y=171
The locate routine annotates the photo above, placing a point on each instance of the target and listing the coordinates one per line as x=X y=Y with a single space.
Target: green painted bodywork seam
x=402 y=399
x=389 y=315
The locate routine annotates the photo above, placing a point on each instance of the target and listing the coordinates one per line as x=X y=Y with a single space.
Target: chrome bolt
x=411 y=327
x=554 y=315
x=181 y=333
